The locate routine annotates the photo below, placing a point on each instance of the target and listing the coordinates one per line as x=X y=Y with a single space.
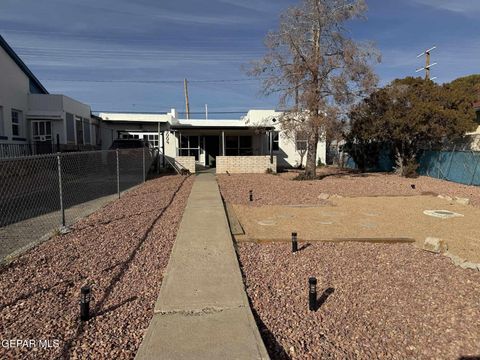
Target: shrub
x=410 y=169
x=305 y=177
x=406 y=169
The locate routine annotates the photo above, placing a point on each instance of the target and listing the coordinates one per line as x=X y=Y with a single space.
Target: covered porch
x=215 y=147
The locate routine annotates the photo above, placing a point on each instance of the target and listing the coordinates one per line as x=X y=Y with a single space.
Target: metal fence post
x=475 y=170
x=143 y=158
x=118 y=173
x=60 y=188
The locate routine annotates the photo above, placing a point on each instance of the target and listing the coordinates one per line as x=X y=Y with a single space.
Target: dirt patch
x=375 y=301
x=281 y=190
x=368 y=217
x=122 y=250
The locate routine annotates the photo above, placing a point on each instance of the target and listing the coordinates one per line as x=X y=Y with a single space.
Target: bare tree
x=313 y=64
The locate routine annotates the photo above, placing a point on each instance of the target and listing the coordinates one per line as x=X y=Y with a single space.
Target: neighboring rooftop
x=36 y=86
x=135 y=117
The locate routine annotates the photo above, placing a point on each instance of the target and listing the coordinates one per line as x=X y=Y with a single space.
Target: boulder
x=462 y=201
x=457 y=260
x=470 y=265
x=445 y=197
x=324 y=196
x=435 y=245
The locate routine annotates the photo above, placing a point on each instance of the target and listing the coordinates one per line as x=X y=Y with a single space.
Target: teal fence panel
x=458 y=166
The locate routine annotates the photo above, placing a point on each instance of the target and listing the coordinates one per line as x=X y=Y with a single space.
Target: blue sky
x=167 y=40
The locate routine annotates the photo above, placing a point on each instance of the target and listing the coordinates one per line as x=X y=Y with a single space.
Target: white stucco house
x=32 y=120
x=253 y=143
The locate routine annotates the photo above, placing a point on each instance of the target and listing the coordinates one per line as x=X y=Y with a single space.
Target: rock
x=457 y=260
x=462 y=201
x=445 y=197
x=435 y=245
x=324 y=196
x=470 y=265
x=336 y=196
x=291 y=351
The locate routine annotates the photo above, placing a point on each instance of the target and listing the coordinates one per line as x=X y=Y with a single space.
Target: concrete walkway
x=202 y=311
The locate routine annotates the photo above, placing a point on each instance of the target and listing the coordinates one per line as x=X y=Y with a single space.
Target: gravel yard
x=279 y=190
x=379 y=301
x=121 y=250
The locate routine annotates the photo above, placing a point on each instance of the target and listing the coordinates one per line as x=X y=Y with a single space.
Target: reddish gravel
x=280 y=190
x=388 y=301
x=122 y=250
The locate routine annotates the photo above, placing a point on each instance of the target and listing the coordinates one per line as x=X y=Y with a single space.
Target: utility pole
x=428 y=63
x=187 y=105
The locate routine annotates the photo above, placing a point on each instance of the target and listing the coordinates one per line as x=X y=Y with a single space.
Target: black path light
x=312 y=294
x=251 y=195
x=85 y=297
x=294 y=242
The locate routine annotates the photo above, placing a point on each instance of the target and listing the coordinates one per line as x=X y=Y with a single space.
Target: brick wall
x=188 y=162
x=245 y=164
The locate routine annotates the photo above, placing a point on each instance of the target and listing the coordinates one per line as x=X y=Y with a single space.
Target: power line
x=428 y=65
x=156 y=81
x=164 y=113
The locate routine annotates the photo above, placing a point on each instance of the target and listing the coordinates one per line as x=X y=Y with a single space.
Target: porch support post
x=179 y=142
x=271 y=146
x=223 y=143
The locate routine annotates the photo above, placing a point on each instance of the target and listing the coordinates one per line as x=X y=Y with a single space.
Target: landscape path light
x=312 y=293
x=85 y=297
x=294 y=242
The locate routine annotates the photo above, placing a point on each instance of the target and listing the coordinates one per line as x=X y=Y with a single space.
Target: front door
x=212 y=150
x=42 y=136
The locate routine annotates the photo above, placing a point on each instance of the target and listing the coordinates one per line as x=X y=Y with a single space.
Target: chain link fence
x=41 y=194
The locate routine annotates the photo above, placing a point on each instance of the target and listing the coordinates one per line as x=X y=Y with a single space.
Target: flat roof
x=208 y=123
x=135 y=117
x=186 y=127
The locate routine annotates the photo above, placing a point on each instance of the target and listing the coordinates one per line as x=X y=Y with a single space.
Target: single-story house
x=253 y=143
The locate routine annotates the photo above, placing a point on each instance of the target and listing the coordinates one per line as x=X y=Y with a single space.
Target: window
x=189 y=146
x=70 y=129
x=86 y=131
x=301 y=140
x=231 y=145
x=245 y=147
x=152 y=139
x=2 y=129
x=97 y=134
x=42 y=131
x=16 y=122
x=238 y=145
x=79 y=128
x=275 y=141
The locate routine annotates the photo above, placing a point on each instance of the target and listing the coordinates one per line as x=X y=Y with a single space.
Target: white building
x=34 y=121
x=253 y=143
